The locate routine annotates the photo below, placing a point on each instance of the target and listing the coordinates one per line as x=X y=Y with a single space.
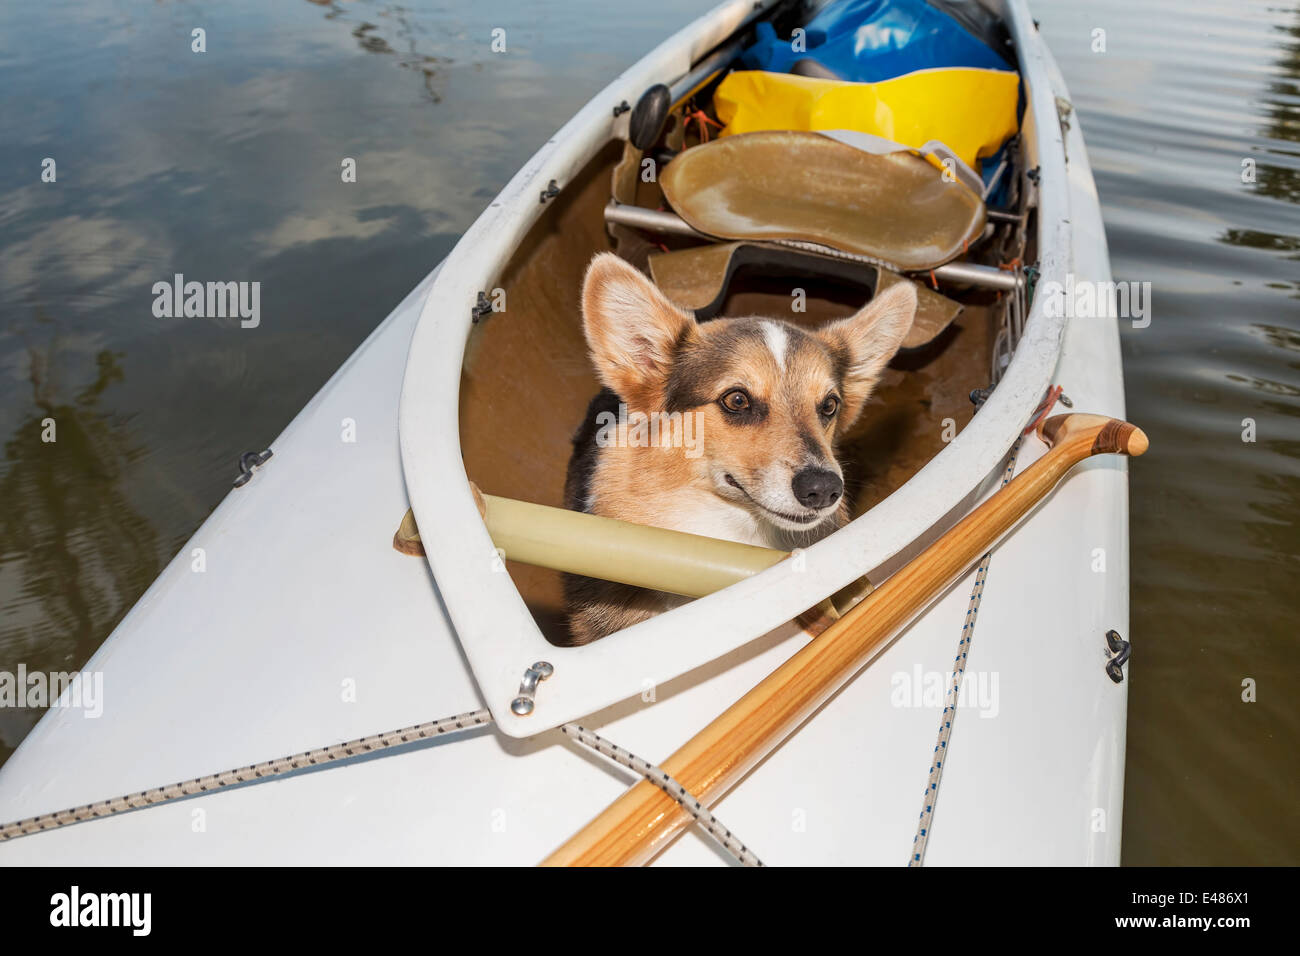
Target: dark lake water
x=1183 y=95
x=225 y=165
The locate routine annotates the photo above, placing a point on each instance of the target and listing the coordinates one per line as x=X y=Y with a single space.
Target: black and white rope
x=924 y=824
x=669 y=785
x=374 y=743
x=258 y=771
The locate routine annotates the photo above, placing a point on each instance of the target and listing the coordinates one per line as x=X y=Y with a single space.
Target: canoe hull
x=348 y=637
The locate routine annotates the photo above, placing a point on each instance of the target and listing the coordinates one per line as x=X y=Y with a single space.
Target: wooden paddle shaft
x=645 y=819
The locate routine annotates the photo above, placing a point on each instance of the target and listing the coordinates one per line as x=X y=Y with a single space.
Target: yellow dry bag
x=973 y=111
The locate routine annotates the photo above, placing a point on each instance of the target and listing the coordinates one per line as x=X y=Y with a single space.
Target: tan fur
x=651 y=354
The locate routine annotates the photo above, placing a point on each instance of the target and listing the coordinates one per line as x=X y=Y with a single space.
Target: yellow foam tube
x=599 y=547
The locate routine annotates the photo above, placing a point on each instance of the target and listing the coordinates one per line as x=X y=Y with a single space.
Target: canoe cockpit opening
x=755 y=189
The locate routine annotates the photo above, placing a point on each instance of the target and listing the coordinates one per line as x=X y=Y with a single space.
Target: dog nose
x=817 y=487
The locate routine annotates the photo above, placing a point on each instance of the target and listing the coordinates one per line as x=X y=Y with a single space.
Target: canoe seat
x=700 y=279
x=896 y=208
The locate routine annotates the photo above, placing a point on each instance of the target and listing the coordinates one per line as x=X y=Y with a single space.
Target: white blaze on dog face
x=773 y=397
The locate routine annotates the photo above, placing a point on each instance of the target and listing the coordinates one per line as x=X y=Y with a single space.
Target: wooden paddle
x=644 y=820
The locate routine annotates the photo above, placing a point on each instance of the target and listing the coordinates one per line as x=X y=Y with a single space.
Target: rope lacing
x=704 y=121
x=669 y=785
x=374 y=743
x=276 y=767
x=924 y=823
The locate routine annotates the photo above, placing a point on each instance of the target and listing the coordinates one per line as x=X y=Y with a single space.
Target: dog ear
x=632 y=330
x=867 y=341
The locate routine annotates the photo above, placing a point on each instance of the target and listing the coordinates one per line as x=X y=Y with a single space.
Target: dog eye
x=735 y=401
x=829 y=406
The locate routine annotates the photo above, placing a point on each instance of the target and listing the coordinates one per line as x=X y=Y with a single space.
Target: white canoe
x=306 y=628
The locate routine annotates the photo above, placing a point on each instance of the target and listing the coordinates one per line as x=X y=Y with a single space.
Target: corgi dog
x=750 y=408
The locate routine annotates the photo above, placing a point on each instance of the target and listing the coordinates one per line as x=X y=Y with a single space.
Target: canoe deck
x=308 y=628
x=195 y=682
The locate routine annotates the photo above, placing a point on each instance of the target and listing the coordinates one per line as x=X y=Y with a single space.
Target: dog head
x=772 y=397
